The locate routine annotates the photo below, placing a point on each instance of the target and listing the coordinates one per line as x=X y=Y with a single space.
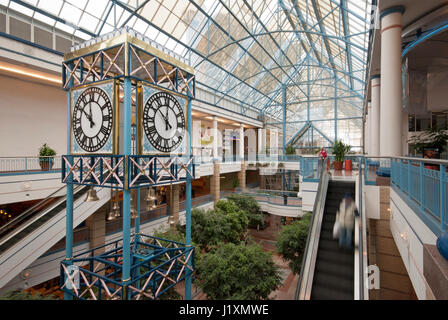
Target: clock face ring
x=164 y=122
x=92 y=119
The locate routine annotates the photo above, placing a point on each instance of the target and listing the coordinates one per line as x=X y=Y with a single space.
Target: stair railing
x=312 y=242
x=360 y=263
x=23 y=220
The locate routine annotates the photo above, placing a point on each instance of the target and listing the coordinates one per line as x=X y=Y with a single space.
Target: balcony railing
x=423 y=185
x=29 y=165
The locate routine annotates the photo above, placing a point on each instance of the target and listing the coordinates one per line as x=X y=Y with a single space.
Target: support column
x=241 y=144
x=126 y=274
x=260 y=141
x=215 y=180
x=366 y=135
x=215 y=138
x=391 y=89
x=188 y=279
x=69 y=199
x=284 y=118
x=242 y=176
x=375 y=116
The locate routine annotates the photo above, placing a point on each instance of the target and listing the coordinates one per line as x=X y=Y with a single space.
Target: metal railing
x=275 y=197
x=312 y=242
x=423 y=185
x=361 y=291
x=29 y=165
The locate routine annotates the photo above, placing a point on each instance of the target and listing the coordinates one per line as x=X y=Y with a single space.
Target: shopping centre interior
x=121 y=121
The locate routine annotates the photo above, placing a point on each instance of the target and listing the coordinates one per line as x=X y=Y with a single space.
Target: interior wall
x=31 y=114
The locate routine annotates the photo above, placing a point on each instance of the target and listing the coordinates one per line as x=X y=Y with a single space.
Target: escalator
x=31 y=234
x=333 y=275
x=329 y=272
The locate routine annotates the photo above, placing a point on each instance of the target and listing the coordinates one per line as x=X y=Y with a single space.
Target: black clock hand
x=91 y=119
x=167 y=123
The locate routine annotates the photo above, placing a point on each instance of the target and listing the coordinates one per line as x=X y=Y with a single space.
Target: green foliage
x=339 y=149
x=238 y=272
x=291 y=242
x=46 y=151
x=433 y=137
x=235 y=218
x=23 y=295
x=251 y=207
x=236 y=183
x=290 y=150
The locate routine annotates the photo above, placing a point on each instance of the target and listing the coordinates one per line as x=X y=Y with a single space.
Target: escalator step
x=344 y=283
x=335 y=269
x=323 y=293
x=332 y=256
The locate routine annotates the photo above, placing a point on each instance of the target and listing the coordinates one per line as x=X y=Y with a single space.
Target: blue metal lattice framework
x=245 y=51
x=157 y=265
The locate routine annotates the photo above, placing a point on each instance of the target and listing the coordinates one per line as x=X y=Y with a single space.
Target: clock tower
x=120 y=86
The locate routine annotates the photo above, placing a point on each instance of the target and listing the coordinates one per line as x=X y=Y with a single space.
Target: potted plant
x=430 y=143
x=339 y=150
x=46 y=157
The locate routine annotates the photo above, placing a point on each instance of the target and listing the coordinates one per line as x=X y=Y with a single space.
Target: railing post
x=422 y=189
x=442 y=196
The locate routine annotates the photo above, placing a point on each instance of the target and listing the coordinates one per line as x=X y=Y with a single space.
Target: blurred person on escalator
x=345 y=221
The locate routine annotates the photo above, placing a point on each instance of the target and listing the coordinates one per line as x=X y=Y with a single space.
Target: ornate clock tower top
x=127 y=53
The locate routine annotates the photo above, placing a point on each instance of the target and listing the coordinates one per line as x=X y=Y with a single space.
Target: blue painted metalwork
x=126 y=275
x=423 y=189
x=284 y=117
x=423 y=38
x=188 y=279
x=69 y=198
x=154 y=261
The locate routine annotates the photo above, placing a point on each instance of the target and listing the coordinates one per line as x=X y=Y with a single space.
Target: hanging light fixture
x=91 y=195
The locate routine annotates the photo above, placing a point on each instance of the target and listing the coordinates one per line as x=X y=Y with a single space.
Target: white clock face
x=164 y=122
x=92 y=119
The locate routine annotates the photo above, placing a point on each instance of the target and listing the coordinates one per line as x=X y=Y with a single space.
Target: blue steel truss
x=245 y=50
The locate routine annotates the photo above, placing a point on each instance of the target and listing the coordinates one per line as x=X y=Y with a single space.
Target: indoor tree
x=237 y=272
x=291 y=242
x=251 y=207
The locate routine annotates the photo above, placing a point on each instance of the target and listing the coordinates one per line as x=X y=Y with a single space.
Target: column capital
x=396 y=9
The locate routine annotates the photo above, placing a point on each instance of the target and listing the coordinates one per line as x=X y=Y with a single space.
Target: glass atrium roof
x=245 y=50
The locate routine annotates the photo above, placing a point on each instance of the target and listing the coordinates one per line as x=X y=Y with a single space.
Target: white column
x=241 y=145
x=260 y=141
x=391 y=88
x=375 y=116
x=215 y=138
x=369 y=128
x=263 y=141
x=366 y=134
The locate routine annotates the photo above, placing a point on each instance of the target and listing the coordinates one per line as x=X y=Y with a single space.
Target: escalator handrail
x=5 y=232
x=360 y=288
x=306 y=275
